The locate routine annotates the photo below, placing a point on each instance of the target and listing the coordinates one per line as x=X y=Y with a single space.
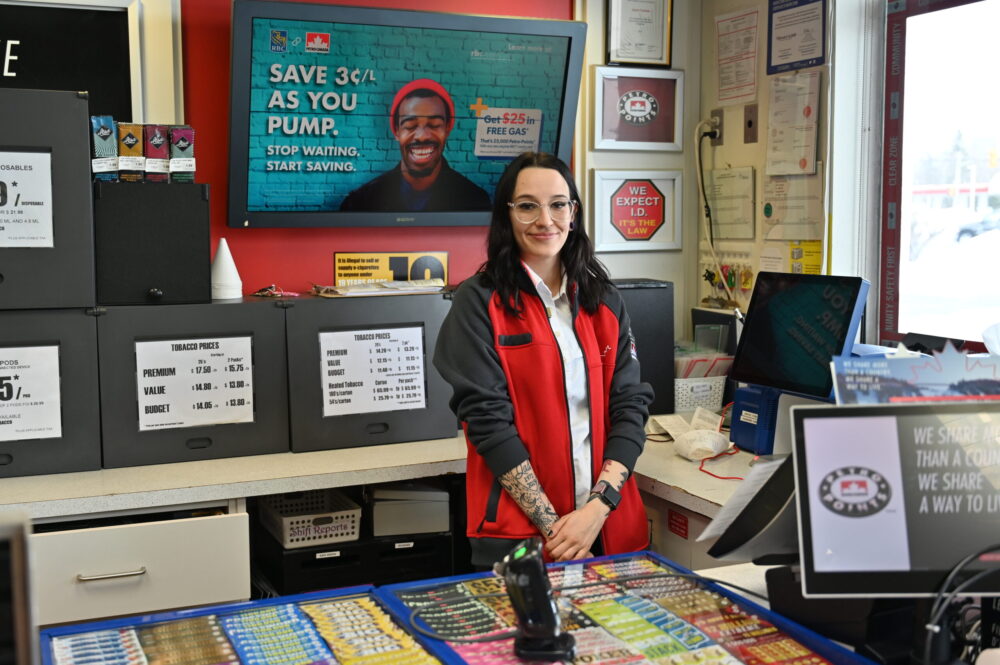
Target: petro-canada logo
x=279 y=41
x=317 y=42
x=854 y=491
x=638 y=107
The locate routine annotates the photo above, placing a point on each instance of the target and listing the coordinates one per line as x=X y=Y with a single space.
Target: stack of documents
x=701 y=365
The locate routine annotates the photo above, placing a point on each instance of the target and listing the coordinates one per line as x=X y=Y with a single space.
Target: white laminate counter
x=747 y=575
x=663 y=473
x=140 y=487
x=659 y=471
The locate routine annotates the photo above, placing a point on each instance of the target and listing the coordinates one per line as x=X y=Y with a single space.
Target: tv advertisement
x=381 y=118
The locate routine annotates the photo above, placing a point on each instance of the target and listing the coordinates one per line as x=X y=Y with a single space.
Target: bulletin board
x=766 y=189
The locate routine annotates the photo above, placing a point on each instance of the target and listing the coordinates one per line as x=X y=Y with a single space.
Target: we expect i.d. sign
x=637 y=209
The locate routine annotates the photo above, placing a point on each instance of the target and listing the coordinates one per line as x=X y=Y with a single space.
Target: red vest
x=531 y=361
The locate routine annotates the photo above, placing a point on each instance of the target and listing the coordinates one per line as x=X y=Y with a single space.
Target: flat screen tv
x=350 y=116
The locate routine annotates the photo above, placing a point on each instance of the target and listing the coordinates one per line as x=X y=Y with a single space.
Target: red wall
x=296 y=258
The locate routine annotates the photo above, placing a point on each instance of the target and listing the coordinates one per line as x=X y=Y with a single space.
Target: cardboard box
x=674 y=531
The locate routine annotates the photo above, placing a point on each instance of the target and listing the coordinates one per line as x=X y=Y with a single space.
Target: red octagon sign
x=637 y=209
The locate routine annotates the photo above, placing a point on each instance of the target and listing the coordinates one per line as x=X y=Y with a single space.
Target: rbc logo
x=279 y=41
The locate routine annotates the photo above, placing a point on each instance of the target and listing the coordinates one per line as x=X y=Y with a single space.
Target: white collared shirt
x=575 y=374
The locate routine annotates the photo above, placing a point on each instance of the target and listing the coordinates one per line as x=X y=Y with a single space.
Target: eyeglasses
x=528 y=212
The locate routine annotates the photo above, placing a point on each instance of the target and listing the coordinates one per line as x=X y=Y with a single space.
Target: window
x=941 y=170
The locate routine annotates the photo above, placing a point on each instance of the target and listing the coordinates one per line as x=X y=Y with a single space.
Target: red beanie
x=422 y=84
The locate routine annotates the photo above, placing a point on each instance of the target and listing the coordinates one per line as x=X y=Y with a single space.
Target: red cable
x=701 y=467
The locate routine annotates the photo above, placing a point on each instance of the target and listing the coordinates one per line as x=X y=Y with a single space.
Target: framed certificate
x=639 y=32
x=638 y=109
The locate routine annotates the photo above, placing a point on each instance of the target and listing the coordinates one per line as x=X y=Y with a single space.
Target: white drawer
x=174 y=563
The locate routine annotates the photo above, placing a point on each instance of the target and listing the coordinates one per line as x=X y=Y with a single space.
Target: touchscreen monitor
x=891 y=497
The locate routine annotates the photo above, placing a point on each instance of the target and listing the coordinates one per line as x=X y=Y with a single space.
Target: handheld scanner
x=530 y=592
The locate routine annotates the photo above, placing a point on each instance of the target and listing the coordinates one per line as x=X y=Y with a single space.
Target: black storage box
x=48 y=388
x=308 y=568
x=360 y=371
x=46 y=268
x=650 y=306
x=370 y=561
x=411 y=557
x=152 y=243
x=192 y=382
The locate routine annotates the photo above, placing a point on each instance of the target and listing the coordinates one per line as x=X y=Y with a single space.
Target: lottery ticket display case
x=49 y=410
x=621 y=608
x=46 y=218
x=192 y=382
x=340 y=626
x=360 y=371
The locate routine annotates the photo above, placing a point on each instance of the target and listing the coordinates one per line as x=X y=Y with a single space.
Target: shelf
x=110 y=490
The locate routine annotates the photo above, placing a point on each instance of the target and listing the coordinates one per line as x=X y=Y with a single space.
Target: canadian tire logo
x=638 y=107
x=854 y=491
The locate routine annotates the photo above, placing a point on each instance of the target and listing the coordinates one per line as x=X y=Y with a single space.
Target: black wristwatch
x=608 y=495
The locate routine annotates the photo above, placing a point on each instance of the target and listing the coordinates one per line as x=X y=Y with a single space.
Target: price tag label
x=370 y=371
x=194 y=382
x=26 y=199
x=30 y=402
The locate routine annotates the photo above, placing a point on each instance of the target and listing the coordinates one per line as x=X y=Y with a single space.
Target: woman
x=538 y=350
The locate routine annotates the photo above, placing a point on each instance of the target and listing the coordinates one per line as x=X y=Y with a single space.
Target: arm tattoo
x=522 y=485
x=617 y=484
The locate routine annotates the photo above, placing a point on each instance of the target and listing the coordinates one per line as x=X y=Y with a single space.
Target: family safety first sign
x=637 y=209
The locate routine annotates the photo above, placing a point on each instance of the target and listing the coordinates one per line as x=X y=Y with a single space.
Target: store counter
x=142 y=487
x=659 y=472
x=681 y=499
x=179 y=517
x=623 y=608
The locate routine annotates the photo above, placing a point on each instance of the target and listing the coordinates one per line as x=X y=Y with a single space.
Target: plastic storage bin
x=705 y=392
x=315 y=517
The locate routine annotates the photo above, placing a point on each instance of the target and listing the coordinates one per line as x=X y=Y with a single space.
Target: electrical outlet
x=750 y=123
x=717 y=116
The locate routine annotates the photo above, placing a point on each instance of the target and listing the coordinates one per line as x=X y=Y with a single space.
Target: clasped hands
x=574 y=533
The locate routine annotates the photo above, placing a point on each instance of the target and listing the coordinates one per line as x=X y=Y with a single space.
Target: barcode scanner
x=539 y=634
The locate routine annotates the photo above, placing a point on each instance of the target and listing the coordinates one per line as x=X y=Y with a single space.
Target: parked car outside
x=989 y=222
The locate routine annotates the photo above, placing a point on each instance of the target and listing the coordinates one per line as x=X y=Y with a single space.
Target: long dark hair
x=503 y=256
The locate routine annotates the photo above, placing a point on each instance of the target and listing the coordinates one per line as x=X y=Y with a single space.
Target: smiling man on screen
x=422 y=117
